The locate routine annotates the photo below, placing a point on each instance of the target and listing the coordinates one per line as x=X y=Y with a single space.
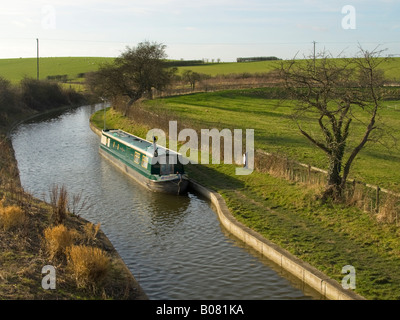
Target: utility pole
x=37 y=57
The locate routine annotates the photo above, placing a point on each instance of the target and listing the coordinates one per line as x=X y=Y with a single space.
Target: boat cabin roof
x=137 y=143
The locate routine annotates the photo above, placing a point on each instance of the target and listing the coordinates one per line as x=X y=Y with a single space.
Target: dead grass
x=11 y=216
x=59 y=203
x=90 y=232
x=57 y=240
x=89 y=265
x=388 y=213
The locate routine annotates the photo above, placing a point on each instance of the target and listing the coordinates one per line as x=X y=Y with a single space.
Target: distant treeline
x=64 y=77
x=184 y=63
x=32 y=94
x=253 y=59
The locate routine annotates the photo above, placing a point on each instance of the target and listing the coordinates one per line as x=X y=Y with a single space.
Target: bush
x=42 y=95
x=58 y=239
x=89 y=265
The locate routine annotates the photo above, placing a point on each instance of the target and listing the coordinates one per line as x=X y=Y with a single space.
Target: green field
x=16 y=69
x=391 y=68
x=276 y=132
x=233 y=67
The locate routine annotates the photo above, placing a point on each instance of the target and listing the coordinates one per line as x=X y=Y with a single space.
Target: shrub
x=58 y=239
x=89 y=265
x=42 y=95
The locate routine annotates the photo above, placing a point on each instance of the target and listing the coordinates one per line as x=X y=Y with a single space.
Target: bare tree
x=192 y=77
x=336 y=93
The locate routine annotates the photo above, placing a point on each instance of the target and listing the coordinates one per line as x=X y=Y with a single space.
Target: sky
x=198 y=29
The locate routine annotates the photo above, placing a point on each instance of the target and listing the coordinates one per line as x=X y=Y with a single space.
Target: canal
x=174 y=245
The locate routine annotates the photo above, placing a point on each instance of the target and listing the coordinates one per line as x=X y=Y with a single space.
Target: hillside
x=15 y=69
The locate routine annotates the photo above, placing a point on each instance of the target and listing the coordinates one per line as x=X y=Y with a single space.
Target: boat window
x=137 y=157
x=103 y=140
x=167 y=169
x=145 y=161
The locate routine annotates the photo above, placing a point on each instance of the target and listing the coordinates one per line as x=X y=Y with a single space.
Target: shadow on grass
x=214 y=179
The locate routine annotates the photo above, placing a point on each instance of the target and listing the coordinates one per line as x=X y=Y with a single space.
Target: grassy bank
x=328 y=236
x=25 y=250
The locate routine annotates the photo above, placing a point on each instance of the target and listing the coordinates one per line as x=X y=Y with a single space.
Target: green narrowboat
x=155 y=167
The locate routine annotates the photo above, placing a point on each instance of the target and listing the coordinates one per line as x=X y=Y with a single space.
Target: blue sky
x=209 y=29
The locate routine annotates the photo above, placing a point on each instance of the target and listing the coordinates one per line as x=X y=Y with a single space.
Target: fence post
x=377 y=199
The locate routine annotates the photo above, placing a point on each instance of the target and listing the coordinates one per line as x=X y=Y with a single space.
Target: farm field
x=15 y=69
x=391 y=68
x=232 y=67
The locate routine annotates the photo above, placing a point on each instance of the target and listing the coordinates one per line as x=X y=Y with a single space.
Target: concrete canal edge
x=310 y=276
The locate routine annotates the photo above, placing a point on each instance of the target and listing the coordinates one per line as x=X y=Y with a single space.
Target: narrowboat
x=155 y=167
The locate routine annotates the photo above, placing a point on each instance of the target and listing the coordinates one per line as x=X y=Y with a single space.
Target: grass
x=232 y=67
x=58 y=238
x=16 y=69
x=391 y=68
x=89 y=265
x=328 y=236
x=27 y=248
x=11 y=216
x=276 y=132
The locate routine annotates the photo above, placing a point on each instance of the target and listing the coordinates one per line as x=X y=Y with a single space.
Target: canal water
x=174 y=245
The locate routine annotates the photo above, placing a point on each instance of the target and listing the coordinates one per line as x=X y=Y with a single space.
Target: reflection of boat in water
x=155 y=167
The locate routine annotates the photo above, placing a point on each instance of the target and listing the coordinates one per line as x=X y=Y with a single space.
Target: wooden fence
x=370 y=198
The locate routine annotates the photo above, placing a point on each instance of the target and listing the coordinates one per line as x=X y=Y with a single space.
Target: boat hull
x=175 y=186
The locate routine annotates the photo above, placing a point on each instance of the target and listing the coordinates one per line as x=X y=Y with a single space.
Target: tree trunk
x=333 y=189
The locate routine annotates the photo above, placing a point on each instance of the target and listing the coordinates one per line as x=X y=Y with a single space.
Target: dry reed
x=59 y=203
